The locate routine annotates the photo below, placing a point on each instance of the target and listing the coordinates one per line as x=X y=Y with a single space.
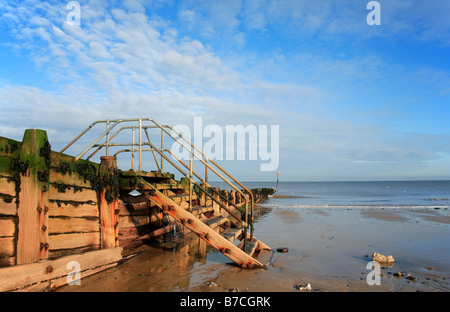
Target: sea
x=363 y=194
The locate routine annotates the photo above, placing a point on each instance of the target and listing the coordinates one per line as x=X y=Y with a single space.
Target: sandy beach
x=327 y=248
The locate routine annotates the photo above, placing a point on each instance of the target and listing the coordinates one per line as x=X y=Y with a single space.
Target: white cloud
x=123 y=64
x=414 y=20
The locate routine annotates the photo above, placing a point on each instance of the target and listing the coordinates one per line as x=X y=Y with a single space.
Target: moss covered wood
x=109 y=202
x=32 y=209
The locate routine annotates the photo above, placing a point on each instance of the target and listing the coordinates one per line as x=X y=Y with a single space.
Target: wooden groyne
x=58 y=217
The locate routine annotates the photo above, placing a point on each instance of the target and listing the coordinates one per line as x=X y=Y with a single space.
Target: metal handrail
x=138 y=147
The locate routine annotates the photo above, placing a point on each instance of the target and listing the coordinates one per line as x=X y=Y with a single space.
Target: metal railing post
x=190 y=179
x=140 y=144
x=162 y=148
x=132 y=148
x=107 y=138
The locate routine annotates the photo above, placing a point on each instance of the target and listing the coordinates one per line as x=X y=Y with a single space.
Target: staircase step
x=183 y=197
x=265 y=256
x=215 y=222
x=147 y=174
x=232 y=234
x=251 y=246
x=168 y=186
x=198 y=210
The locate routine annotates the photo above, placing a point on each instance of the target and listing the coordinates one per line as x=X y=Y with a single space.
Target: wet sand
x=328 y=248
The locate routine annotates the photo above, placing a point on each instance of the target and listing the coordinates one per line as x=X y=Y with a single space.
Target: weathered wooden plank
x=64 y=281
x=7 y=227
x=7 y=261
x=130 y=242
x=130 y=221
x=8 y=206
x=147 y=174
x=18 y=276
x=73 y=209
x=57 y=225
x=53 y=284
x=133 y=209
x=28 y=243
x=74 y=240
x=83 y=195
x=184 y=197
x=69 y=179
x=9 y=147
x=54 y=254
x=7 y=187
x=133 y=232
x=6 y=247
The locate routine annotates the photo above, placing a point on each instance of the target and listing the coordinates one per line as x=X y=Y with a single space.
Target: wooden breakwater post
x=54 y=212
x=109 y=202
x=32 y=209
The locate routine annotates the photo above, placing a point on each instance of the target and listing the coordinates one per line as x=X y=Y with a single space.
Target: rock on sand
x=382 y=258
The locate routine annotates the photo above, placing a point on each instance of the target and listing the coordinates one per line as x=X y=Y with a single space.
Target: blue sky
x=353 y=101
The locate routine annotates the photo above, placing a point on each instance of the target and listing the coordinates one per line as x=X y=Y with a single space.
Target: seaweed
x=45 y=152
x=19 y=169
x=14 y=147
x=110 y=183
x=63 y=168
x=43 y=175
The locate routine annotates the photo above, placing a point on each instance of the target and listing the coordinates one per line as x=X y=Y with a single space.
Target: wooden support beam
x=203 y=231
x=18 y=276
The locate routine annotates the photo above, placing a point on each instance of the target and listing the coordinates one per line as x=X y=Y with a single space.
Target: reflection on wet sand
x=156 y=267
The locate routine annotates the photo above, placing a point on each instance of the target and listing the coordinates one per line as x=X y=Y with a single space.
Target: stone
x=382 y=259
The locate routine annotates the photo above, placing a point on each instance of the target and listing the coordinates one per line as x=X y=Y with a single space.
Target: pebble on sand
x=382 y=258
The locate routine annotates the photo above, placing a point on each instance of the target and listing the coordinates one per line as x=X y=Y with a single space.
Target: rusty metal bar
x=153 y=152
x=162 y=147
x=132 y=148
x=190 y=179
x=140 y=144
x=107 y=139
x=80 y=135
x=96 y=141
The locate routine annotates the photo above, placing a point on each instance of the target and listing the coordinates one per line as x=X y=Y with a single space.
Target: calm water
x=385 y=194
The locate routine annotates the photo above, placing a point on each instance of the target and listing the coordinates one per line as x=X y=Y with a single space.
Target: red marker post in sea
x=278 y=175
